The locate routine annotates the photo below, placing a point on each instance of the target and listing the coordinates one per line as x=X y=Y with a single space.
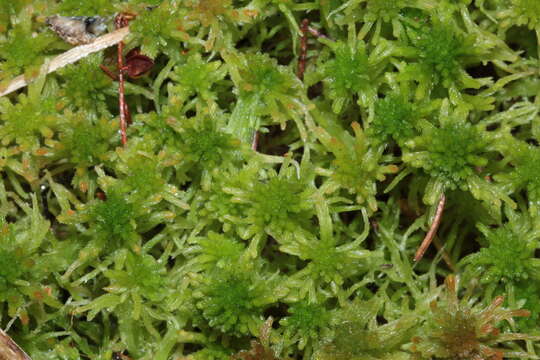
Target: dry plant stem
x=120 y=22
x=71 y=56
x=121 y=94
x=432 y=230
x=108 y=72
x=9 y=350
x=303 y=49
x=305 y=29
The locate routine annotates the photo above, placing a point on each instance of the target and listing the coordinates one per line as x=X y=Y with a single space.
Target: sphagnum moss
x=257 y=213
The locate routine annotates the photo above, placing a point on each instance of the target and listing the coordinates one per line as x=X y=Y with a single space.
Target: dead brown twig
x=134 y=65
x=71 y=56
x=121 y=21
x=305 y=29
x=432 y=230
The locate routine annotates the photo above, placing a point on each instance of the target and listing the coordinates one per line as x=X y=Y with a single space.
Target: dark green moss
x=114 y=215
x=394 y=118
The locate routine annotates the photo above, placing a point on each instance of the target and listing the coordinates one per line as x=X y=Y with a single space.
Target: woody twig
x=432 y=230
x=121 y=21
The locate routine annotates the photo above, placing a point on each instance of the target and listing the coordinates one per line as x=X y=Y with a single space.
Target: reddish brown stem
x=303 y=49
x=113 y=76
x=305 y=29
x=108 y=72
x=121 y=94
x=122 y=21
x=432 y=230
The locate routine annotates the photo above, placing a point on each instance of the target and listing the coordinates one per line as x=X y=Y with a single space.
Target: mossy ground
x=258 y=214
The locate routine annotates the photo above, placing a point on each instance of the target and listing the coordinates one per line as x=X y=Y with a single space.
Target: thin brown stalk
x=121 y=94
x=108 y=72
x=432 y=230
x=120 y=22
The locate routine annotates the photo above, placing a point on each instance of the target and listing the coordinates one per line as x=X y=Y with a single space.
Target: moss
x=208 y=146
x=356 y=336
x=347 y=74
x=159 y=130
x=276 y=201
x=260 y=348
x=232 y=301
x=22 y=52
x=87 y=142
x=459 y=331
x=527 y=172
x=24 y=121
x=327 y=262
x=262 y=76
x=259 y=213
x=452 y=152
x=269 y=94
x=11 y=270
x=160 y=30
x=526 y=13
x=357 y=163
x=385 y=10
x=394 y=118
x=209 y=353
x=114 y=215
x=442 y=48
x=84 y=85
x=142 y=275
x=85 y=8
x=305 y=323
x=508 y=253
x=197 y=77
x=209 y=11
x=220 y=206
x=143 y=178
x=218 y=250
x=527 y=292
